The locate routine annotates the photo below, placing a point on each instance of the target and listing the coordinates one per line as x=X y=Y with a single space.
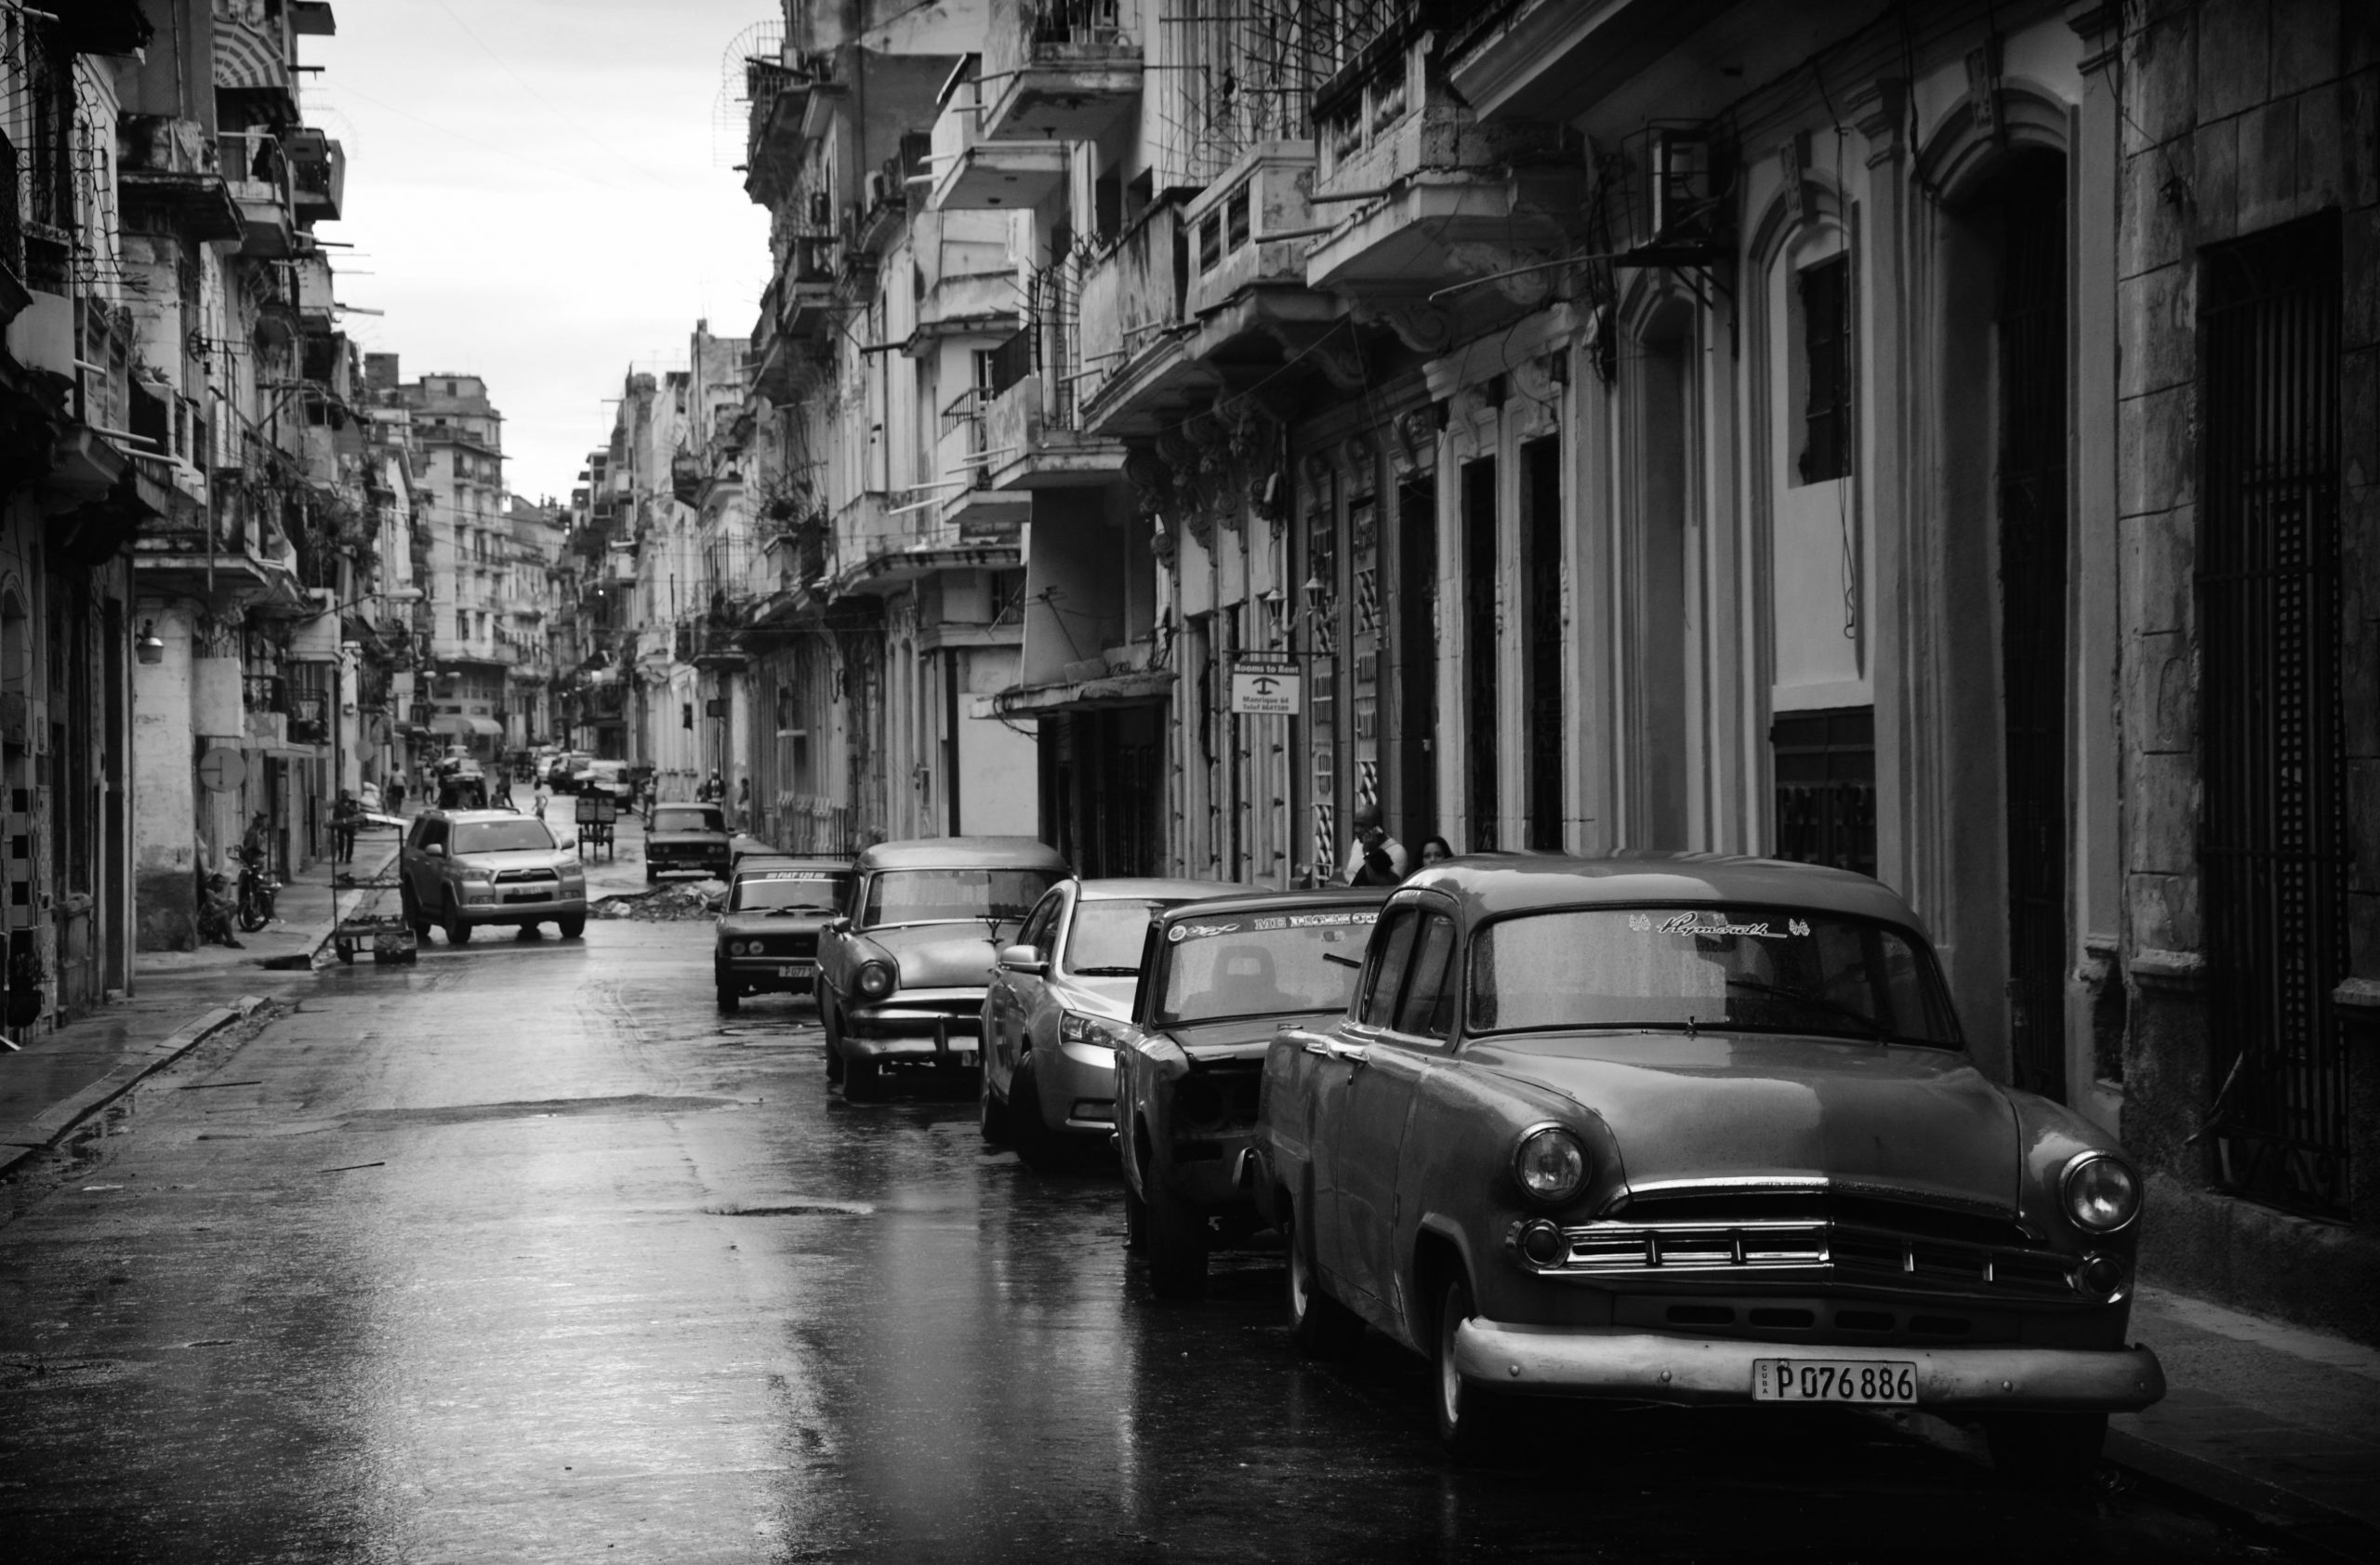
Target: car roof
x=962 y=853
x=781 y=861
x=1487 y=884
x=1275 y=901
x=1126 y=888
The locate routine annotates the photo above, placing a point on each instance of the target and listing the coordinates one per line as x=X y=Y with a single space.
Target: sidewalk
x=180 y=998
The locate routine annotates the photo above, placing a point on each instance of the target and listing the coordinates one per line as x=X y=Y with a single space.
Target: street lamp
x=149 y=646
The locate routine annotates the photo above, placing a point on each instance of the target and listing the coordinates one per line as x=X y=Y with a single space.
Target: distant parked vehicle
x=901 y=976
x=468 y=868
x=768 y=936
x=679 y=837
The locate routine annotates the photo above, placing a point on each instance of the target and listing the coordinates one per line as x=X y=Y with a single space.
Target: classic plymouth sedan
x=1218 y=979
x=1695 y=1130
x=901 y=976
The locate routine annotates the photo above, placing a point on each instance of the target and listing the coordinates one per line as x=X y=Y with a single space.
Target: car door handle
x=1356 y=1054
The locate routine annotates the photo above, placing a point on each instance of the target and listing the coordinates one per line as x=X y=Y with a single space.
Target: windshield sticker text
x=1693 y=923
x=1199 y=931
x=1319 y=921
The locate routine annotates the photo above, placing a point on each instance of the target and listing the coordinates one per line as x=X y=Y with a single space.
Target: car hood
x=938 y=955
x=1242 y=1037
x=750 y=923
x=1104 y=995
x=1728 y=1105
x=516 y=859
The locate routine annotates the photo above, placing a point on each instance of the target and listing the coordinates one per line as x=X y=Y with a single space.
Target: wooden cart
x=597 y=817
x=387 y=936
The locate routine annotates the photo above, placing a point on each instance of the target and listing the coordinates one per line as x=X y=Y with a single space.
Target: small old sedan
x=1049 y=1067
x=682 y=837
x=901 y=976
x=1220 y=979
x=464 y=869
x=767 y=938
x=1702 y=1131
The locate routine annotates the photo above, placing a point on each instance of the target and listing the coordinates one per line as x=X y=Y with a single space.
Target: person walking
x=346 y=816
x=394 y=793
x=1369 y=835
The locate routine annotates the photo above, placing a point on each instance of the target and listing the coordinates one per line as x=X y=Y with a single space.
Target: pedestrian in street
x=713 y=791
x=1434 y=850
x=395 y=794
x=346 y=816
x=1375 y=870
x=1369 y=834
x=504 y=789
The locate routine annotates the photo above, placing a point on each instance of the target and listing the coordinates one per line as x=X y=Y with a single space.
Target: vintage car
x=1219 y=979
x=1695 y=1130
x=1048 y=1070
x=682 y=837
x=768 y=933
x=901 y=975
x=467 y=869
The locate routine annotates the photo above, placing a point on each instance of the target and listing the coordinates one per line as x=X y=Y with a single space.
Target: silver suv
x=463 y=869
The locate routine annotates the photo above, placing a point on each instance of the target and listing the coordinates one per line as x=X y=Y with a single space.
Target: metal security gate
x=2032 y=621
x=1480 y=713
x=2273 y=838
x=1549 y=726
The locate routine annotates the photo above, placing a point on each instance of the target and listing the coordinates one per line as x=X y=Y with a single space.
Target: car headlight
x=571 y=869
x=1549 y=1165
x=874 y=979
x=2100 y=1192
x=476 y=875
x=1074 y=1027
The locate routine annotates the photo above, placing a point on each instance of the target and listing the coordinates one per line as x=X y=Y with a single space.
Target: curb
x=45 y=1130
x=2305 y=1524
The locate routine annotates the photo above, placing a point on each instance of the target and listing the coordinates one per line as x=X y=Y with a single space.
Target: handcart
x=597 y=817
x=387 y=936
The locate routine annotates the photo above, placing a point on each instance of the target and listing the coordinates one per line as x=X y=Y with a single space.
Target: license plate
x=524 y=896
x=1833 y=1380
x=794 y=970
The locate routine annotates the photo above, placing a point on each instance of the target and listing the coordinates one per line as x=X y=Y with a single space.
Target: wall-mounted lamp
x=149 y=647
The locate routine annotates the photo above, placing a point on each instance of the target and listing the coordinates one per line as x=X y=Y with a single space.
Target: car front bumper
x=479 y=906
x=1077 y=1086
x=1663 y=1367
x=944 y=1029
x=794 y=973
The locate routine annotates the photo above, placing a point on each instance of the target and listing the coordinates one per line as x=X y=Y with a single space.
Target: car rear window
x=1261 y=964
x=688 y=817
x=502 y=836
x=951 y=896
x=789 y=888
x=1742 y=969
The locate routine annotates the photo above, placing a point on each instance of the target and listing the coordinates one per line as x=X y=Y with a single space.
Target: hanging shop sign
x=1266 y=684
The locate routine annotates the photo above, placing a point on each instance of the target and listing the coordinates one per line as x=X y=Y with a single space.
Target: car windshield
x=687 y=817
x=502 y=836
x=951 y=896
x=821 y=889
x=1262 y=964
x=1738 y=968
x=1106 y=937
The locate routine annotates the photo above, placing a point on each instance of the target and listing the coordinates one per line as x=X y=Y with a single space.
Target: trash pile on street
x=674 y=903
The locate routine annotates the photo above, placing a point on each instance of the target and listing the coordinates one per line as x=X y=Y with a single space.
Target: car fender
x=1146 y=1064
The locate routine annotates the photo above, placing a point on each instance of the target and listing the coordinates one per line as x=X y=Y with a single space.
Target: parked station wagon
x=767 y=938
x=902 y=972
x=1695 y=1130
x=1220 y=979
x=1048 y=1061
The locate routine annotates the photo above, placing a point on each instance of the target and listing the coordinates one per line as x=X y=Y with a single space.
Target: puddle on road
x=793 y=1209
x=471 y=1113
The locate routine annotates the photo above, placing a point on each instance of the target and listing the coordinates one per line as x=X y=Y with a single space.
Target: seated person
x=1247 y=983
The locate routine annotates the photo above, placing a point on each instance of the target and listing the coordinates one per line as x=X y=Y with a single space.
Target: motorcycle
x=257 y=888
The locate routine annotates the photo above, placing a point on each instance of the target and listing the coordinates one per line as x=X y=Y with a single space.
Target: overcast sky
x=534 y=195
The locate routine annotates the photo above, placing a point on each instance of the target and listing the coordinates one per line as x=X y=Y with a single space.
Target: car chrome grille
x=1865 y=1242
x=522 y=877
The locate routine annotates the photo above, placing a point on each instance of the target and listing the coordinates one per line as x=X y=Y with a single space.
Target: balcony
x=971 y=172
x=317 y=173
x=1138 y=372
x=1424 y=193
x=1036 y=444
x=170 y=170
x=257 y=172
x=784 y=94
x=1062 y=70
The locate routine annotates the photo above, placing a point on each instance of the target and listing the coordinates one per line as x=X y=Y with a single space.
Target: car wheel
x=651 y=876
x=834 y=1038
x=1027 y=1131
x=1177 y=1246
x=2046 y=1450
x=1136 y=1220
x=1320 y=1327
x=863 y=1080
x=730 y=994
x=571 y=927
x=991 y=1114
x=1470 y=1420
x=413 y=916
x=458 y=932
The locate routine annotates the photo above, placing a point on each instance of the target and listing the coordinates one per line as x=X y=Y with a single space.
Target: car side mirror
x=435 y=850
x=1022 y=959
x=840 y=923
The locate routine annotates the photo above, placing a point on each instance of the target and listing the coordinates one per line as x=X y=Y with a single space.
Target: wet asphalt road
x=521 y=1254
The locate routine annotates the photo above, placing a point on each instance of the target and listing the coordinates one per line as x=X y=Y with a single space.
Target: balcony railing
x=1060 y=70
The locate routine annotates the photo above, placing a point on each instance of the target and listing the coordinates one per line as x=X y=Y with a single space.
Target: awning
x=454 y=723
